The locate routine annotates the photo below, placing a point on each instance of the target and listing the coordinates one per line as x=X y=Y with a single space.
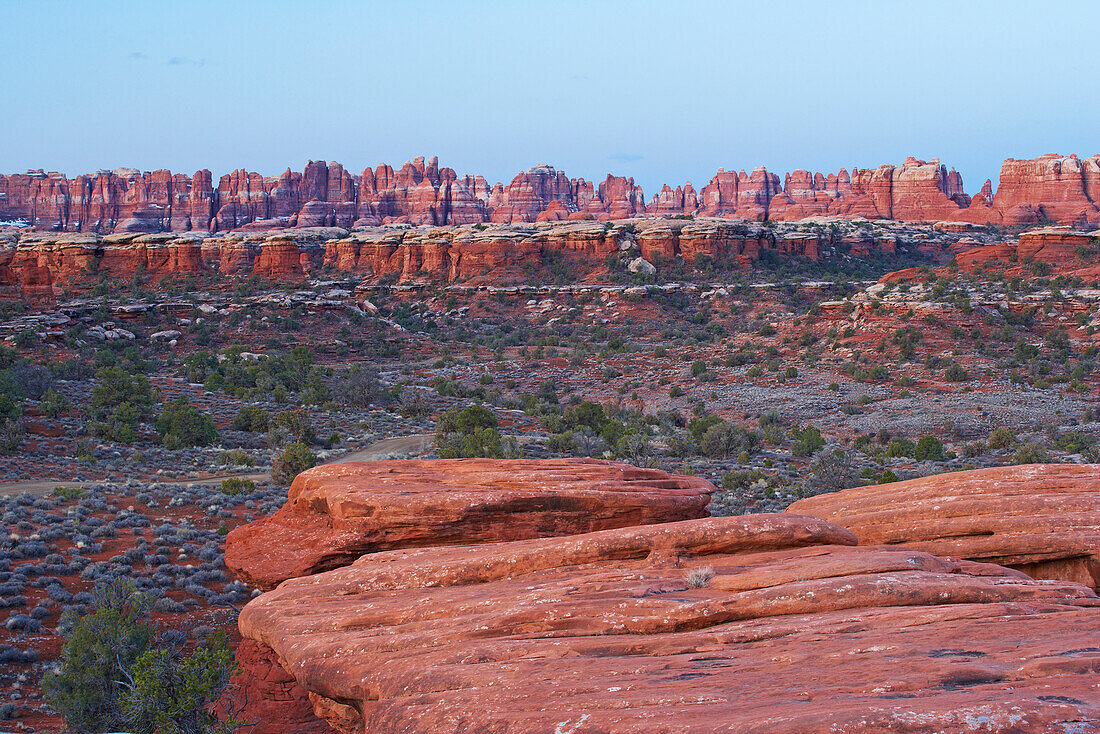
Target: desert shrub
x=291 y=426
x=832 y=471
x=359 y=388
x=806 y=441
x=699 y=577
x=723 y=439
x=172 y=692
x=955 y=373
x=181 y=424
x=54 y=405
x=116 y=674
x=237 y=485
x=11 y=425
x=236 y=457
x=1001 y=438
x=286 y=372
x=465 y=432
x=1031 y=453
x=252 y=418
x=100 y=649
x=900 y=447
x=120 y=402
x=292 y=461
x=33 y=380
x=929 y=448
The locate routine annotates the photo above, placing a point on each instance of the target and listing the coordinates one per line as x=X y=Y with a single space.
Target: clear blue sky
x=663 y=91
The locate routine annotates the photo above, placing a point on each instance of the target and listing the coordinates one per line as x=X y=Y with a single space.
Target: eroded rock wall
x=1049 y=189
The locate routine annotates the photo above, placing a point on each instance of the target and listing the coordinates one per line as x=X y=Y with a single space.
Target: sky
x=665 y=92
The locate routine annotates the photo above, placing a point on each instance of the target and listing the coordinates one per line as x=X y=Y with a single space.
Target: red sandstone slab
x=338 y=512
x=1043 y=519
x=795 y=631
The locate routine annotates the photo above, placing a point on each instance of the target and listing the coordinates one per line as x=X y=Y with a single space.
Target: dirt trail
x=383 y=449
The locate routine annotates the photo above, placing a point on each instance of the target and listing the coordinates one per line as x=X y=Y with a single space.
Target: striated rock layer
x=1052 y=188
x=338 y=512
x=1042 y=519
x=43 y=263
x=1067 y=251
x=760 y=623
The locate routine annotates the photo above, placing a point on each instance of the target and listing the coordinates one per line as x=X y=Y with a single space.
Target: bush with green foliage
x=292 y=461
x=120 y=402
x=467 y=432
x=722 y=440
x=955 y=373
x=271 y=374
x=1001 y=438
x=291 y=426
x=237 y=485
x=360 y=387
x=68 y=493
x=181 y=424
x=806 y=441
x=900 y=447
x=1031 y=452
x=929 y=448
x=54 y=405
x=252 y=418
x=100 y=649
x=11 y=424
x=171 y=692
x=116 y=674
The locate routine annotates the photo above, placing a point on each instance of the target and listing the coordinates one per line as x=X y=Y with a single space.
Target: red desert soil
x=760 y=623
x=338 y=512
x=1042 y=519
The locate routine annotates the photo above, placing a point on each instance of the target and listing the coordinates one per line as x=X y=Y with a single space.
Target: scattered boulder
x=166 y=336
x=337 y=512
x=641 y=266
x=1042 y=519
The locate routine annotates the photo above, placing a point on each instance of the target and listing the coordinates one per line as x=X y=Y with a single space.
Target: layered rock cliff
x=1053 y=189
x=36 y=263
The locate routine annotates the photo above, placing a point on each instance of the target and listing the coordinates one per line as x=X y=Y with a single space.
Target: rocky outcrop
x=1049 y=189
x=916 y=191
x=338 y=512
x=756 y=623
x=1065 y=250
x=40 y=263
x=266 y=698
x=1040 y=519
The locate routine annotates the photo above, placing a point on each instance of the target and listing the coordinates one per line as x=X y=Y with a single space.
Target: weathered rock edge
x=338 y=512
x=1042 y=519
x=786 y=628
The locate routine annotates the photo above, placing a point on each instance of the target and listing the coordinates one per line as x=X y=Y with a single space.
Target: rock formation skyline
x=1049 y=189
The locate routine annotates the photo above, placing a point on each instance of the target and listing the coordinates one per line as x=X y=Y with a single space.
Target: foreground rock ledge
x=338 y=512
x=1042 y=519
x=760 y=623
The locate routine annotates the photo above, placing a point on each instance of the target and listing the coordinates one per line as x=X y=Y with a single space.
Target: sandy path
x=378 y=450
